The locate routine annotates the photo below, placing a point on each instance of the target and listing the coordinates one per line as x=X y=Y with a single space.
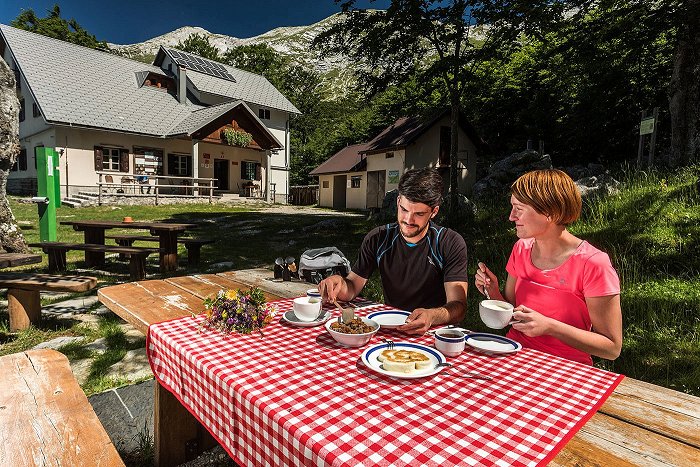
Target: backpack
x=319 y=263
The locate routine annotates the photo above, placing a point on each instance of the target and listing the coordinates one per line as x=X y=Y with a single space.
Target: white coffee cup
x=496 y=314
x=449 y=341
x=307 y=308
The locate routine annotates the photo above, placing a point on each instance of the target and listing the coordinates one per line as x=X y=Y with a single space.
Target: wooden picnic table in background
x=639 y=424
x=165 y=231
x=8 y=260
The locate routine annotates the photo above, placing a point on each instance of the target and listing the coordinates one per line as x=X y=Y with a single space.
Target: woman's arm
x=604 y=340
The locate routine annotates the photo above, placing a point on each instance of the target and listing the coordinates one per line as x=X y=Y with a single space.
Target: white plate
x=492 y=343
x=290 y=318
x=389 y=319
x=369 y=358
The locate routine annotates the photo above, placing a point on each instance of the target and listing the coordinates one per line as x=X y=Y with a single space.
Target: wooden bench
x=193 y=245
x=57 y=255
x=23 y=300
x=45 y=418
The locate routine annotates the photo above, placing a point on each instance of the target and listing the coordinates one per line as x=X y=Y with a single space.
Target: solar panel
x=202 y=65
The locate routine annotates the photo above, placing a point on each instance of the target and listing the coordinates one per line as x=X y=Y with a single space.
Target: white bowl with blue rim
x=492 y=343
x=389 y=319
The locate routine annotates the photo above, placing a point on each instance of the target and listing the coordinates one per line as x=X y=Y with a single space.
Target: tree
x=58 y=28
x=199 y=44
x=435 y=39
x=256 y=58
x=11 y=238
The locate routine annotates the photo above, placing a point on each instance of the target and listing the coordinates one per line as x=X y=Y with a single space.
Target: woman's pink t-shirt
x=561 y=293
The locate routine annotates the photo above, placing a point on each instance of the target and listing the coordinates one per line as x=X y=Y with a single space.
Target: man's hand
x=330 y=288
x=418 y=322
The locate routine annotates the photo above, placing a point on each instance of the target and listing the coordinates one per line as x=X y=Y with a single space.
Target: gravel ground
x=216 y=457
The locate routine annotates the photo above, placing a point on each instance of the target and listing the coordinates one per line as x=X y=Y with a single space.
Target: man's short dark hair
x=422 y=186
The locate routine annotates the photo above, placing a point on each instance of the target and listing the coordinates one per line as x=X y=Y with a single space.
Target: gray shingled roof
x=201 y=117
x=81 y=86
x=248 y=86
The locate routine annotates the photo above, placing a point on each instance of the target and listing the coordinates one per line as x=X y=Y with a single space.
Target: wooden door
x=376 y=188
x=339 y=190
x=221 y=174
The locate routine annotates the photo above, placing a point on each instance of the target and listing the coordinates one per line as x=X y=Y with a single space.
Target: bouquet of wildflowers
x=242 y=311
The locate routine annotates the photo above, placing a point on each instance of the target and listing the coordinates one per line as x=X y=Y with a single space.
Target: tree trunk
x=11 y=238
x=453 y=213
x=684 y=92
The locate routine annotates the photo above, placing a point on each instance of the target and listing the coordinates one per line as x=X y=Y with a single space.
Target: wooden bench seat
x=23 y=300
x=193 y=245
x=57 y=255
x=45 y=418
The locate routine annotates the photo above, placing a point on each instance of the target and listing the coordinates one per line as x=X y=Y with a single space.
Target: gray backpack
x=319 y=263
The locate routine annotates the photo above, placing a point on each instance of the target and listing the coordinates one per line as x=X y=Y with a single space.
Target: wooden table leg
x=94 y=236
x=178 y=436
x=57 y=259
x=168 y=251
x=24 y=307
x=137 y=267
x=124 y=242
x=193 y=253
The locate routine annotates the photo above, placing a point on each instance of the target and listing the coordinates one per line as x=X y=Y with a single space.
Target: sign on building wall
x=393 y=177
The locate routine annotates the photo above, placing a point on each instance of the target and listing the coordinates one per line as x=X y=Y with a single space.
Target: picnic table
x=295 y=397
x=165 y=231
x=8 y=260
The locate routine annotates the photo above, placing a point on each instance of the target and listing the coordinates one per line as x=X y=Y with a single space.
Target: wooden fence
x=303 y=195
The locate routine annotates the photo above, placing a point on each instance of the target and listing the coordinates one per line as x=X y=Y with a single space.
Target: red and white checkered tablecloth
x=294 y=397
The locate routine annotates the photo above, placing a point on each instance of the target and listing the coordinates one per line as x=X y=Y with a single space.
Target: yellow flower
x=224 y=315
x=230 y=294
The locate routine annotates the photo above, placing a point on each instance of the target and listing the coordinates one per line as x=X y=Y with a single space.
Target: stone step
x=71 y=202
x=84 y=197
x=88 y=194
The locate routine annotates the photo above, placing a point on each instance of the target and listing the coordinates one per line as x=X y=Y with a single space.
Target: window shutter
x=258 y=172
x=98 y=158
x=22 y=159
x=171 y=164
x=123 y=160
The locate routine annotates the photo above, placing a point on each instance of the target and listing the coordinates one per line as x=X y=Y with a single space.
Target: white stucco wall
x=380 y=162
x=325 y=195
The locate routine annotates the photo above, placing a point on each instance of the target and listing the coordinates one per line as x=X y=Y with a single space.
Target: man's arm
x=345 y=289
x=452 y=312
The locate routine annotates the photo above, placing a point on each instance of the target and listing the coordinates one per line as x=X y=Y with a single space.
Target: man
x=423 y=267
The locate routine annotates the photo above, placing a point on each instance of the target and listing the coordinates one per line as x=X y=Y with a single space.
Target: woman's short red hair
x=550 y=192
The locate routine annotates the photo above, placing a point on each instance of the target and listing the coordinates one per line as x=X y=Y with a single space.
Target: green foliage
x=199 y=44
x=58 y=28
x=260 y=59
x=234 y=137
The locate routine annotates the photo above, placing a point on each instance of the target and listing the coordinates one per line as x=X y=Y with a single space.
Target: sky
x=131 y=21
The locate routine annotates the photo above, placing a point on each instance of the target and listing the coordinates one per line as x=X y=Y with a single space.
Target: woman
x=565 y=291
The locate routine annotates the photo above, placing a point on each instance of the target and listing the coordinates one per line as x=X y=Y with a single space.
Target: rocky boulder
x=597 y=185
x=503 y=173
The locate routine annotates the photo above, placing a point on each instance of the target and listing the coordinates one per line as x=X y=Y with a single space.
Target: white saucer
x=290 y=318
x=492 y=343
x=389 y=319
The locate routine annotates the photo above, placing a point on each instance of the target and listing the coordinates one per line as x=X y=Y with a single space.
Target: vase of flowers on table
x=242 y=311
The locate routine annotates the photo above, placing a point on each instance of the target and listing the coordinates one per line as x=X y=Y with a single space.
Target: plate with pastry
x=389 y=319
x=290 y=318
x=405 y=360
x=492 y=343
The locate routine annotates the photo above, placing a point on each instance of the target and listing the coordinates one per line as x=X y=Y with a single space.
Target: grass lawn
x=651 y=229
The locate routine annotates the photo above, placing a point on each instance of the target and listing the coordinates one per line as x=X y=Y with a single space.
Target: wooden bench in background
x=57 y=255
x=45 y=418
x=23 y=299
x=193 y=245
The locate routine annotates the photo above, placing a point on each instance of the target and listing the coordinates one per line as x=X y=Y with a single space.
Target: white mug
x=496 y=314
x=449 y=341
x=307 y=308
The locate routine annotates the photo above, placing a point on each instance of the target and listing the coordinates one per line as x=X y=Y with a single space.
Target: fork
x=463 y=375
x=389 y=343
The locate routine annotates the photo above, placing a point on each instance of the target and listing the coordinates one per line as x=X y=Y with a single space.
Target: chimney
x=181 y=84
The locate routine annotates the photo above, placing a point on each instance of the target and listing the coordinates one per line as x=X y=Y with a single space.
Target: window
x=445 y=142
x=20 y=162
x=110 y=159
x=250 y=170
x=21 y=110
x=264 y=114
x=180 y=165
x=355 y=181
x=35 y=111
x=325 y=184
x=389 y=155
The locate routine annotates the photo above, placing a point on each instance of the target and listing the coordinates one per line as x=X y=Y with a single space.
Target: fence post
x=99 y=189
